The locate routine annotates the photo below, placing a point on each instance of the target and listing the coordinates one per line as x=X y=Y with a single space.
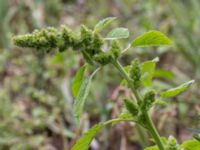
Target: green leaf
x=117 y=33
x=103 y=23
x=84 y=142
x=175 y=91
x=152 y=148
x=160 y=73
x=191 y=145
x=147 y=69
x=78 y=79
x=82 y=95
x=151 y=38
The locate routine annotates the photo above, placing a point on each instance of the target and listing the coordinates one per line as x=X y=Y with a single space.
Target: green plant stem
x=128 y=79
x=149 y=124
x=116 y=120
x=142 y=136
x=154 y=133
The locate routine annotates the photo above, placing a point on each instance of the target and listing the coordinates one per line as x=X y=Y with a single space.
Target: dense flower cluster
x=87 y=41
x=172 y=144
x=135 y=73
x=131 y=107
x=148 y=100
x=141 y=108
x=106 y=57
x=90 y=44
x=145 y=102
x=43 y=39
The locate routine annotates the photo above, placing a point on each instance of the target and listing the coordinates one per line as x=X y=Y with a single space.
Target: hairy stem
x=153 y=131
x=149 y=124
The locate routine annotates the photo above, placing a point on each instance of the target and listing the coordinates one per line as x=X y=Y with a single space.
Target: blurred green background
x=35 y=89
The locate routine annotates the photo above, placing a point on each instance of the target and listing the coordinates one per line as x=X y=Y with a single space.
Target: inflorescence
x=88 y=42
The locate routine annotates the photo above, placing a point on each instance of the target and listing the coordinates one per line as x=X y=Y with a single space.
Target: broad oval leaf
x=191 y=145
x=103 y=23
x=117 y=33
x=148 y=69
x=151 y=38
x=175 y=91
x=78 y=79
x=84 y=142
x=82 y=95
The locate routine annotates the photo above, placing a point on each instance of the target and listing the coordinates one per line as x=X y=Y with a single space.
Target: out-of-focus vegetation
x=35 y=94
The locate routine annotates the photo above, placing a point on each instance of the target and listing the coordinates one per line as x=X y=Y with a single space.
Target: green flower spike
x=115 y=50
x=39 y=39
x=135 y=73
x=148 y=100
x=67 y=39
x=86 y=36
x=105 y=58
x=131 y=107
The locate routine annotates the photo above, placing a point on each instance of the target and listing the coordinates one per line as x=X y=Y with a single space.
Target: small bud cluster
x=43 y=39
x=131 y=107
x=140 y=109
x=90 y=43
x=113 y=53
x=135 y=73
x=87 y=41
x=68 y=39
x=149 y=99
x=146 y=102
x=172 y=144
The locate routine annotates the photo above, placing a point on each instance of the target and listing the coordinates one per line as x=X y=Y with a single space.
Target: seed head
x=148 y=100
x=131 y=107
x=135 y=73
x=68 y=39
x=115 y=49
x=39 y=39
x=86 y=36
x=103 y=58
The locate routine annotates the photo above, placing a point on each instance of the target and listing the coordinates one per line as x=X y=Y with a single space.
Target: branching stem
x=153 y=131
x=117 y=120
x=127 y=78
x=148 y=122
